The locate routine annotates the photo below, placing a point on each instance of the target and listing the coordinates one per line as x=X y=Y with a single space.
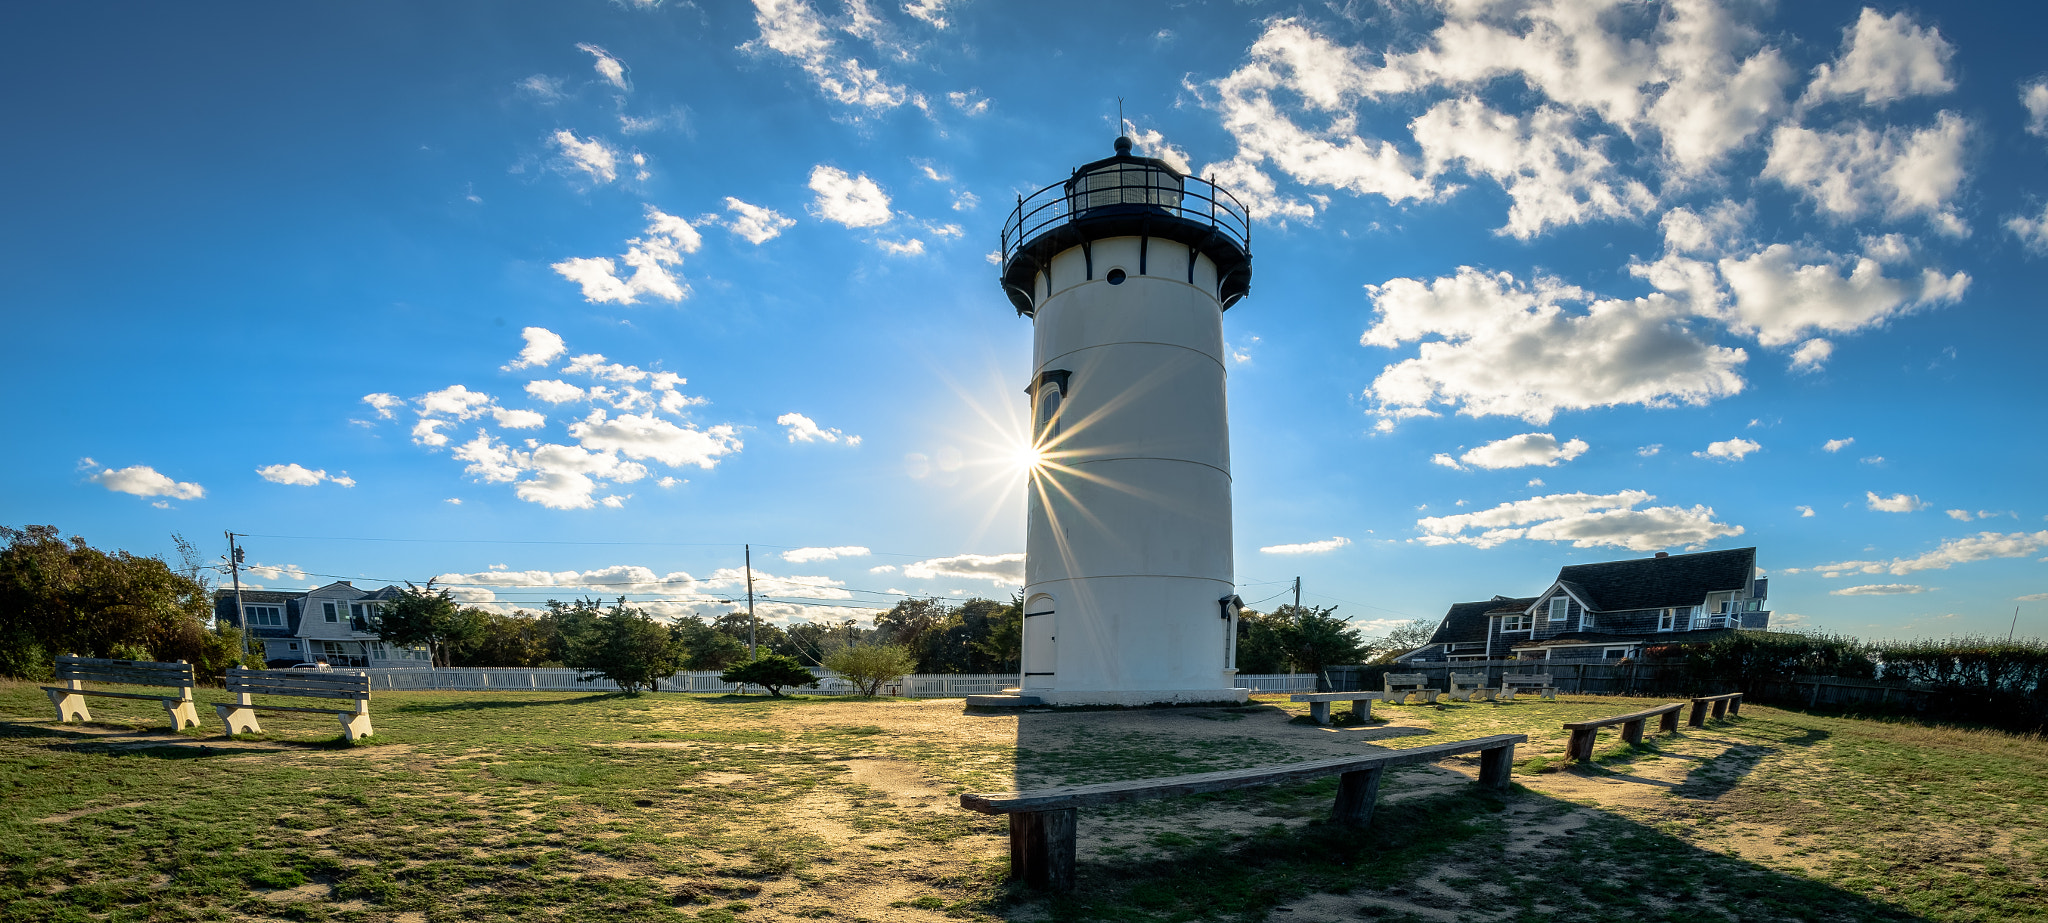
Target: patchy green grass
x=521 y=806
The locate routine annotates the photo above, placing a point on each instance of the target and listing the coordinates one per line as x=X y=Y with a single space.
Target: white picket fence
x=920 y=685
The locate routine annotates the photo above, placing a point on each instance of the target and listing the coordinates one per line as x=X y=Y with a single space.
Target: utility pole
x=2015 y=625
x=1297 y=596
x=235 y=569
x=752 y=654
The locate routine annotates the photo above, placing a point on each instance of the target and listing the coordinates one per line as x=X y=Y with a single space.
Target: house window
x=329 y=610
x=1667 y=619
x=291 y=645
x=333 y=649
x=1585 y=619
x=265 y=616
x=1617 y=653
x=1559 y=608
x=1517 y=622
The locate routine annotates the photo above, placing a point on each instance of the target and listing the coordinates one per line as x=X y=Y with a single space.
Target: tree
x=906 y=620
x=709 y=648
x=517 y=640
x=868 y=666
x=70 y=598
x=1405 y=637
x=771 y=672
x=423 y=615
x=1304 y=639
x=628 y=647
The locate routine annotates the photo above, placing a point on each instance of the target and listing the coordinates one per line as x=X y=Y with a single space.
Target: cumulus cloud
x=1585 y=520
x=756 y=224
x=1884 y=59
x=931 y=11
x=1552 y=176
x=1811 y=355
x=1728 y=449
x=518 y=419
x=298 y=475
x=1879 y=589
x=1521 y=451
x=1983 y=546
x=2031 y=597
x=608 y=67
x=1326 y=545
x=555 y=391
x=455 y=401
x=794 y=30
x=804 y=429
x=807 y=555
x=1781 y=297
x=142 y=481
x=1493 y=345
x=1837 y=445
x=649 y=437
x=653 y=259
x=384 y=404
x=999 y=569
x=2034 y=98
x=1896 y=503
x=1858 y=171
x=592 y=156
x=2032 y=232
x=1805 y=512
x=854 y=201
x=543 y=346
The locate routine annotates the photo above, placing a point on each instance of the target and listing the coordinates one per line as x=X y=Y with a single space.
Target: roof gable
x=1466 y=622
x=1654 y=583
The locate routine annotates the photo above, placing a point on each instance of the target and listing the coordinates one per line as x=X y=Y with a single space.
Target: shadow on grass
x=488 y=704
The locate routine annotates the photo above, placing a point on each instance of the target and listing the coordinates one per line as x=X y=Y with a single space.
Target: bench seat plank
x=1334 y=696
x=110 y=695
x=1618 y=719
x=240 y=716
x=75 y=671
x=1077 y=796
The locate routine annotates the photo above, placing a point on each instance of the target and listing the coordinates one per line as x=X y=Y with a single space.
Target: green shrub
x=868 y=666
x=772 y=672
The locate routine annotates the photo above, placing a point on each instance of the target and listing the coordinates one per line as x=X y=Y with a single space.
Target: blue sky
x=579 y=297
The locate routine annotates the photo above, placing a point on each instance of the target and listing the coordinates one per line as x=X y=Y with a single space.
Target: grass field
x=517 y=806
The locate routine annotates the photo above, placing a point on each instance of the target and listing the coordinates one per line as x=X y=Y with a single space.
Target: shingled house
x=1609 y=611
x=336 y=623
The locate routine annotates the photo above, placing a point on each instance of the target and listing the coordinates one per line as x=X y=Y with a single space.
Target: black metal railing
x=1123 y=189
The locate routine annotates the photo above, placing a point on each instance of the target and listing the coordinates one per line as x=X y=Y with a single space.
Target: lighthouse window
x=1116 y=277
x=1046 y=397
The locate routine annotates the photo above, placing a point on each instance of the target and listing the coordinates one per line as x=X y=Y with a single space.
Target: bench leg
x=1735 y=708
x=1632 y=731
x=1698 y=718
x=354 y=725
x=1495 y=765
x=1042 y=849
x=237 y=719
x=1506 y=695
x=70 y=706
x=1429 y=696
x=183 y=714
x=1319 y=712
x=1357 y=792
x=1669 y=723
x=1581 y=746
x=1362 y=709
x=1720 y=709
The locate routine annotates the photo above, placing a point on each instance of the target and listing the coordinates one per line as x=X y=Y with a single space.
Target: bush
x=627 y=647
x=868 y=666
x=772 y=672
x=1747 y=660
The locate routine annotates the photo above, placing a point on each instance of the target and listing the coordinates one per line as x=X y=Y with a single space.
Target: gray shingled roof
x=1466 y=622
x=1654 y=583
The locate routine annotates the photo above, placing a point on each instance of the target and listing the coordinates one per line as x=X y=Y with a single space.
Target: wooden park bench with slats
x=1319 y=703
x=1583 y=732
x=240 y=716
x=1725 y=706
x=1399 y=686
x=1042 y=822
x=1539 y=683
x=1468 y=686
x=74 y=671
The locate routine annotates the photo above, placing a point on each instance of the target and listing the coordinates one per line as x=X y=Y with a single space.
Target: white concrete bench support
x=1319 y=703
x=1539 y=683
x=73 y=671
x=1399 y=686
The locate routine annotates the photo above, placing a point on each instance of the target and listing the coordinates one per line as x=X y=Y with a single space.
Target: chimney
x=1663 y=554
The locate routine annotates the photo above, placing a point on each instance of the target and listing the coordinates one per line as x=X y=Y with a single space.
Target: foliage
x=1405 y=637
x=519 y=639
x=1999 y=682
x=709 y=648
x=868 y=666
x=981 y=636
x=1746 y=660
x=1301 y=639
x=70 y=598
x=423 y=615
x=771 y=672
x=626 y=646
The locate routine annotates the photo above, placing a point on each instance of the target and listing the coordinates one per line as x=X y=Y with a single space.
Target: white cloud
x=2031 y=597
x=555 y=391
x=2034 y=97
x=1712 y=104
x=1872 y=460
x=547 y=89
x=1811 y=355
x=970 y=102
x=518 y=419
x=1779 y=297
x=931 y=11
x=1524 y=451
x=384 y=403
x=1553 y=176
x=143 y=481
x=1507 y=348
x=1650 y=451
x=593 y=365
x=804 y=429
x=607 y=66
x=592 y=156
x=807 y=555
x=1837 y=445
x=1150 y=142
x=882 y=569
x=456 y=401
x=1883 y=59
x=999 y=569
x=653 y=259
x=1326 y=545
x=489 y=460
x=911 y=247
x=1896 y=503
x=1805 y=512
x=427 y=432
x=756 y=224
x=542 y=347
x=647 y=437
x=2032 y=232
x=1857 y=171
x=794 y=30
x=1983 y=546
x=854 y=201
x=1879 y=589
x=1585 y=520
x=1730 y=449
x=1960 y=515
x=298 y=475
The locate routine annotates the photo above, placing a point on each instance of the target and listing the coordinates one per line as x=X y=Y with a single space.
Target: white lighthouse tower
x=1126 y=269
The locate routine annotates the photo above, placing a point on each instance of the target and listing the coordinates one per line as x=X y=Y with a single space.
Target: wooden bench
x=1399 y=686
x=1467 y=686
x=1042 y=822
x=1534 y=682
x=74 y=671
x=1319 y=703
x=1729 y=705
x=240 y=717
x=1583 y=732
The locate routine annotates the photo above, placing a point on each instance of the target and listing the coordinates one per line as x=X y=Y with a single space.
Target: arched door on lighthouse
x=1041 y=652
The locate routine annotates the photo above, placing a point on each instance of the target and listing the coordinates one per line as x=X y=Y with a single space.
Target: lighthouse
x=1125 y=270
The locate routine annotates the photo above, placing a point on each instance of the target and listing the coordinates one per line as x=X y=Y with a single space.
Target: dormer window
x=265 y=616
x=1560 y=608
x=1520 y=621
x=329 y=610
